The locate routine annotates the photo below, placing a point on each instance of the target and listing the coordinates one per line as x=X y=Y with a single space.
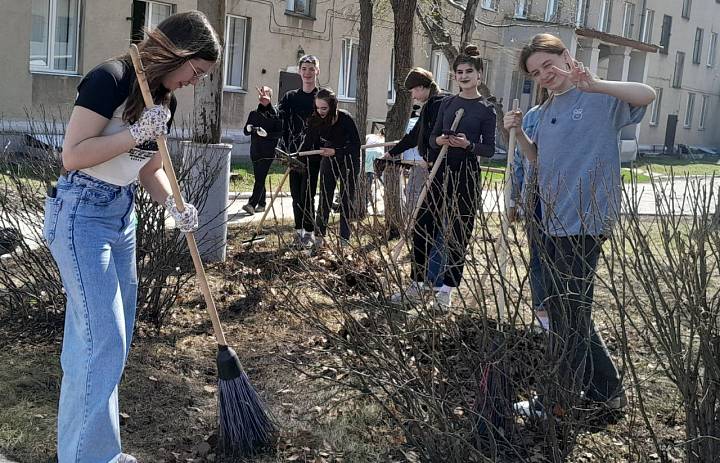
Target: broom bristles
x=245 y=425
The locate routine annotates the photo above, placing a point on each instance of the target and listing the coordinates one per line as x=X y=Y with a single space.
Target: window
x=489 y=4
x=54 y=35
x=147 y=15
x=521 y=8
x=348 y=69
x=441 y=69
x=703 y=111
x=697 y=48
x=686 y=8
x=302 y=7
x=647 y=26
x=655 y=111
x=552 y=9
x=628 y=20
x=678 y=73
x=605 y=15
x=487 y=71
x=712 y=49
x=689 y=110
x=665 y=34
x=581 y=13
x=391 y=79
x=236 y=46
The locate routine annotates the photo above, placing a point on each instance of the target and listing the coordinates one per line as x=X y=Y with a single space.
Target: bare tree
x=366 y=26
x=209 y=91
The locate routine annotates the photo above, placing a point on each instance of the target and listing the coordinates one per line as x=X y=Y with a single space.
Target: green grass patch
x=680 y=167
x=242 y=177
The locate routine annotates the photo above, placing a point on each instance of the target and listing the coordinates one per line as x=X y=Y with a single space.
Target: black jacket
x=342 y=136
x=420 y=134
x=267 y=118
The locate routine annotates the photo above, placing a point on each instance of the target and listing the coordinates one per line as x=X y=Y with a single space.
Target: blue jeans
x=437 y=260
x=90 y=230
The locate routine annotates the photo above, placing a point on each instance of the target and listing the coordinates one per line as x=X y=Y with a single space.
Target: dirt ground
x=168 y=394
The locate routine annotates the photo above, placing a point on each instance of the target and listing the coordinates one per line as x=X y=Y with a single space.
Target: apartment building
x=669 y=44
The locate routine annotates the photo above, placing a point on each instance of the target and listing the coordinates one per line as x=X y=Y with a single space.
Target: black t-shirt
x=295 y=107
x=107 y=86
x=420 y=134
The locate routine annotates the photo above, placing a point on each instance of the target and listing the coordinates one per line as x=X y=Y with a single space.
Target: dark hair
x=327 y=95
x=176 y=40
x=471 y=56
x=546 y=43
x=312 y=59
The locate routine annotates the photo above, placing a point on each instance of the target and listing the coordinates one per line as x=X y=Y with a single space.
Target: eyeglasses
x=197 y=75
x=309 y=59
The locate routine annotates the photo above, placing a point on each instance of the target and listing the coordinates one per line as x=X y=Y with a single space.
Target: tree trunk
x=398 y=115
x=209 y=91
x=366 y=25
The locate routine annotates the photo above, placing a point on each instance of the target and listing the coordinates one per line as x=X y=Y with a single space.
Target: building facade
x=669 y=44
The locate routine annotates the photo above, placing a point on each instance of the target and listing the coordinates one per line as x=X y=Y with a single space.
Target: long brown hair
x=546 y=43
x=328 y=96
x=176 y=40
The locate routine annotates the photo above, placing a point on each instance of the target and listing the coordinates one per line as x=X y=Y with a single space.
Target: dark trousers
x=261 y=167
x=568 y=272
x=303 y=188
x=452 y=200
x=334 y=168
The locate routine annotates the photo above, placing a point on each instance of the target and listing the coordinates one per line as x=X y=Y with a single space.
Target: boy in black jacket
x=265 y=128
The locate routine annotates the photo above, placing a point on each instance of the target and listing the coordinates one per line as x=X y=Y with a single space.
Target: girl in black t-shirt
x=334 y=132
x=90 y=222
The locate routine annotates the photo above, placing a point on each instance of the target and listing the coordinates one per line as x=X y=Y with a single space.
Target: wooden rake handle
x=168 y=167
x=428 y=183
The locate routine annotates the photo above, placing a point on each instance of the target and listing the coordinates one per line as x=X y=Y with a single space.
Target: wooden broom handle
x=428 y=183
x=168 y=167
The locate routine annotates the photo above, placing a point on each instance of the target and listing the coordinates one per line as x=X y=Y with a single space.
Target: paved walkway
x=3 y=459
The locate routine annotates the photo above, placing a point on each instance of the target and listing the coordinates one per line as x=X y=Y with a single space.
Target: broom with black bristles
x=244 y=421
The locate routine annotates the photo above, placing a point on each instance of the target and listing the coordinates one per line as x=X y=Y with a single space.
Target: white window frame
x=655 y=109
x=442 y=76
x=489 y=5
x=647 y=27
x=628 y=20
x=521 y=9
x=581 y=13
x=149 y=8
x=686 y=7
x=230 y=18
x=51 y=25
x=551 y=10
x=689 y=109
x=703 y=111
x=605 y=16
x=712 y=49
x=391 y=79
x=698 y=45
x=345 y=76
x=290 y=8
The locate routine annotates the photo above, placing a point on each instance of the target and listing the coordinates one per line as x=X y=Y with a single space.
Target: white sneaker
x=443 y=301
x=413 y=294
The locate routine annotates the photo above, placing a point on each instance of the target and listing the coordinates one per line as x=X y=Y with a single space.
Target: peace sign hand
x=263 y=95
x=579 y=75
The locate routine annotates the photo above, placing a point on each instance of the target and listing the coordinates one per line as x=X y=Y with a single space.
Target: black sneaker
x=260 y=208
x=125 y=458
x=249 y=209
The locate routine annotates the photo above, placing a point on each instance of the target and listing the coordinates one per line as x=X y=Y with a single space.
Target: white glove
x=187 y=220
x=152 y=124
x=261 y=132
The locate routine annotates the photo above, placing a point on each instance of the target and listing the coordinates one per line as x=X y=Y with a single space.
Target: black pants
x=303 y=188
x=261 y=167
x=568 y=265
x=346 y=169
x=452 y=200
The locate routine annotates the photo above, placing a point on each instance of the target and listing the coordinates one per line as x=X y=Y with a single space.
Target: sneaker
x=260 y=209
x=542 y=320
x=249 y=209
x=296 y=241
x=413 y=294
x=616 y=403
x=532 y=409
x=442 y=301
x=125 y=458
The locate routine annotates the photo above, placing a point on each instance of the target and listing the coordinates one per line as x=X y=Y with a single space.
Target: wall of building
x=16 y=88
